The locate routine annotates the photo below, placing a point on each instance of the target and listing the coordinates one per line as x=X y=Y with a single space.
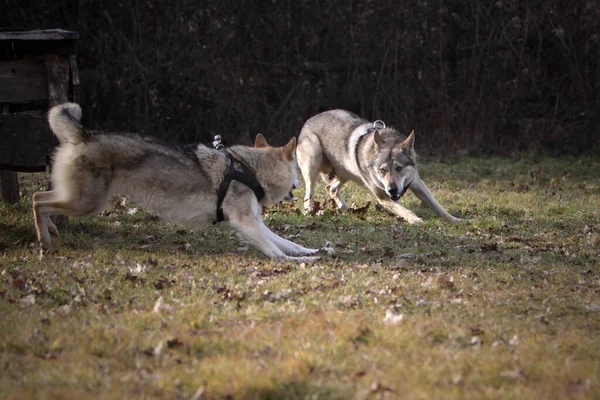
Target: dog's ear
x=260 y=141
x=408 y=145
x=288 y=152
x=378 y=139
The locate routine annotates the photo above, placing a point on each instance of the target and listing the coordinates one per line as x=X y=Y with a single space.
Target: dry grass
x=507 y=306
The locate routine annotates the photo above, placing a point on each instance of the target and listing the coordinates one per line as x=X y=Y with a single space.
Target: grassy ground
x=507 y=306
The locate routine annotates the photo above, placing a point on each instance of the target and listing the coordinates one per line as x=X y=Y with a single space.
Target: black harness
x=240 y=172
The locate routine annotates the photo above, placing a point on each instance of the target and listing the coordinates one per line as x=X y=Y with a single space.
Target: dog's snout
x=393 y=192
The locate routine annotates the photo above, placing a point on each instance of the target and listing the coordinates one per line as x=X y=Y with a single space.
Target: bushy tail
x=64 y=122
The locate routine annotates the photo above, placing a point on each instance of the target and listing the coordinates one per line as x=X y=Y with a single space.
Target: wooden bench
x=38 y=70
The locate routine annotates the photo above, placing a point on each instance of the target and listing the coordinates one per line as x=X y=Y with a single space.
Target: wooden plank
x=57 y=68
x=26 y=141
x=9 y=186
x=9 y=180
x=23 y=81
x=75 y=82
x=39 y=34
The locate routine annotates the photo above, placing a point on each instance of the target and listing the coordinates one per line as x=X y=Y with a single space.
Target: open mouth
x=396 y=196
x=289 y=196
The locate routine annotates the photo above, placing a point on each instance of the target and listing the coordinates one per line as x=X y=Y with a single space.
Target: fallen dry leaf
x=514 y=374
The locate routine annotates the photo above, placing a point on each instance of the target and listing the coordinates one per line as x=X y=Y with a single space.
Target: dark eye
x=398 y=168
x=382 y=171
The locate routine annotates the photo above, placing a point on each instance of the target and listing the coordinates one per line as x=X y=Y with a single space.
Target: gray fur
x=179 y=186
x=341 y=147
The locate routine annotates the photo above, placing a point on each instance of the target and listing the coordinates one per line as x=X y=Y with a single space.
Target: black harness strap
x=236 y=171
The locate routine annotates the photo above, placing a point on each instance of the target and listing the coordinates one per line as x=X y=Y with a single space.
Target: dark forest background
x=471 y=77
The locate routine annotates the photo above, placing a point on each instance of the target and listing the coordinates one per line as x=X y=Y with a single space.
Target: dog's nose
x=394 y=193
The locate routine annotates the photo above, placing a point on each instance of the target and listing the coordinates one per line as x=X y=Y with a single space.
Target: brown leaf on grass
x=163 y=283
x=152 y=262
x=174 y=343
x=364 y=336
x=578 y=386
x=377 y=387
x=363 y=248
x=107 y=293
x=185 y=247
x=317 y=208
x=20 y=284
x=51 y=355
x=487 y=247
x=351 y=301
x=476 y=330
x=445 y=281
x=388 y=252
x=360 y=210
x=517 y=373
x=151 y=351
x=400 y=265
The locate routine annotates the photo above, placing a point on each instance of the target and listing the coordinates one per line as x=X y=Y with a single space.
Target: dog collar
x=236 y=171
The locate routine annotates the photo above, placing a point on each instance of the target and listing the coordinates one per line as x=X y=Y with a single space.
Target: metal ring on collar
x=379 y=124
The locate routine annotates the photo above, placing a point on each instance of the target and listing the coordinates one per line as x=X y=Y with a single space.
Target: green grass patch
x=506 y=305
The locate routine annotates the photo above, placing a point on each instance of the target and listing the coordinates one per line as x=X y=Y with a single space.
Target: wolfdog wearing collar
x=189 y=186
x=342 y=147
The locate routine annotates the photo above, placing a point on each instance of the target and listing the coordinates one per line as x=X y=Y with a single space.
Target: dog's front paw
x=45 y=250
x=311 y=251
x=413 y=219
x=303 y=258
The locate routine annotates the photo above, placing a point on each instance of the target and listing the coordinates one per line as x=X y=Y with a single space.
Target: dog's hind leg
x=334 y=189
x=310 y=159
x=423 y=193
x=46 y=204
x=42 y=209
x=46 y=196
